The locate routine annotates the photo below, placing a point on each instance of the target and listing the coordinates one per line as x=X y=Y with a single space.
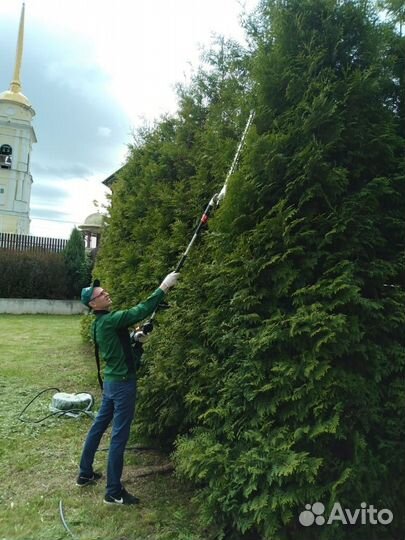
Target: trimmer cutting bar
x=218 y=197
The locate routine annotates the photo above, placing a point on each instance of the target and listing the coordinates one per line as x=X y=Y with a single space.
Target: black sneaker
x=85 y=481
x=124 y=498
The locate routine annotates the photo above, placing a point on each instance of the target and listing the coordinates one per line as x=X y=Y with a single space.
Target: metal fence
x=24 y=242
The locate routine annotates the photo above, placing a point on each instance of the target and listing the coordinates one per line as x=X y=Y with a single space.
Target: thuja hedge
x=32 y=274
x=277 y=375
x=40 y=274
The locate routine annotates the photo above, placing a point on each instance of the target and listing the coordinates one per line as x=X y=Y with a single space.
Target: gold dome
x=15 y=97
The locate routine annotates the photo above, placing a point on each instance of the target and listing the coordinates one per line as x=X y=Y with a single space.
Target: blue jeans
x=118 y=405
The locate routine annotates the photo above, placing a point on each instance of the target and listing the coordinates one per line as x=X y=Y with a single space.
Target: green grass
x=39 y=462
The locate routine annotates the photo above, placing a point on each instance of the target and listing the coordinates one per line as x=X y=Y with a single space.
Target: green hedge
x=85 y=327
x=278 y=371
x=31 y=274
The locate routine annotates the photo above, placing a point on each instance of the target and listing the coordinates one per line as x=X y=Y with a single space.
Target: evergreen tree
x=278 y=371
x=76 y=263
x=396 y=58
x=173 y=169
x=305 y=367
x=395 y=9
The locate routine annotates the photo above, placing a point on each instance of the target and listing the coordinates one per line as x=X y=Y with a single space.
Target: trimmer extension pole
x=217 y=198
x=203 y=221
x=215 y=201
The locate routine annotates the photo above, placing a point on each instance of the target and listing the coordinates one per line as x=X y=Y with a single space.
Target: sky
x=95 y=71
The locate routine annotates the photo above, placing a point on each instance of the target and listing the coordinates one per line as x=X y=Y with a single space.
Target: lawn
x=38 y=462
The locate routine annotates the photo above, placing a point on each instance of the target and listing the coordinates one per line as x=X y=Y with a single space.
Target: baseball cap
x=87 y=292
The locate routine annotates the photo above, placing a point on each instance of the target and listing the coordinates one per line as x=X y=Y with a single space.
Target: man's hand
x=169 y=281
x=141 y=337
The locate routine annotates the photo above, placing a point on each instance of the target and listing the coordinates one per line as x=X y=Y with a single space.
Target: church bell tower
x=16 y=138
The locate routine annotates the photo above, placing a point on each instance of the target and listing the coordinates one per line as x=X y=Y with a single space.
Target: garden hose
x=62 y=517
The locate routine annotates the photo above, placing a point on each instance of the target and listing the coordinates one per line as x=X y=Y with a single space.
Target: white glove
x=141 y=337
x=169 y=281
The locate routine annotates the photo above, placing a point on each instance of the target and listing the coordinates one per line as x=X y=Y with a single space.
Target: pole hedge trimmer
x=141 y=333
x=218 y=197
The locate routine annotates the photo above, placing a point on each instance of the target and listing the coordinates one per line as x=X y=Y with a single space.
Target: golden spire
x=14 y=94
x=15 y=85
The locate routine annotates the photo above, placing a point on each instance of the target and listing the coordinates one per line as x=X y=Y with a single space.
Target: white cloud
x=97 y=70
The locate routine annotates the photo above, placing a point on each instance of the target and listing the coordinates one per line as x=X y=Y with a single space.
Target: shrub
x=77 y=264
x=85 y=327
x=32 y=274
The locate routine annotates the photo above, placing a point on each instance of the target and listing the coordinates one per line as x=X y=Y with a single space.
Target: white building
x=16 y=138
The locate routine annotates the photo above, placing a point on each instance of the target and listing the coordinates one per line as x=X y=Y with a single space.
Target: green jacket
x=110 y=330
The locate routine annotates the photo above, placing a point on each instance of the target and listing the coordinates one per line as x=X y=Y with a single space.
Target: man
x=110 y=333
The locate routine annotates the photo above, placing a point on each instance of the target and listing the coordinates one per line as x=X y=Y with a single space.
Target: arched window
x=6 y=156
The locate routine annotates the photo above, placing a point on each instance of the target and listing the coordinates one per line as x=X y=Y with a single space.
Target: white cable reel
x=72 y=404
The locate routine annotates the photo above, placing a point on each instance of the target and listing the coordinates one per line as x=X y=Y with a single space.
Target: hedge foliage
x=32 y=274
x=78 y=263
x=37 y=274
x=277 y=375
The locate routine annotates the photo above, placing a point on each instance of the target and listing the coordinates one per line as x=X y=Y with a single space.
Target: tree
x=396 y=9
x=173 y=169
x=289 y=346
x=76 y=263
x=277 y=374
